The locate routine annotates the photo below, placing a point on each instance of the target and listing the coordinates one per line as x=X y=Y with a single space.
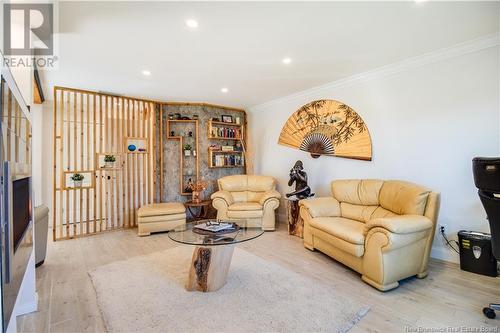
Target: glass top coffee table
x=212 y=254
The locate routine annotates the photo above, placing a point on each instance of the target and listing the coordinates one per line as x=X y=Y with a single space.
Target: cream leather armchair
x=247 y=197
x=381 y=229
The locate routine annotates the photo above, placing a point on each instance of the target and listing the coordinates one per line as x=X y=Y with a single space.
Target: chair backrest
x=366 y=199
x=246 y=188
x=487 y=179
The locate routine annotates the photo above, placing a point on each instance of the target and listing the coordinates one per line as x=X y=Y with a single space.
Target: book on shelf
x=228 y=160
x=225 y=132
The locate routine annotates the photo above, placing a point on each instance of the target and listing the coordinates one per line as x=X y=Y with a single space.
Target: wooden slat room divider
x=87 y=126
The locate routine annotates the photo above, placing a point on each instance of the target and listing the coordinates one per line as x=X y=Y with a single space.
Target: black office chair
x=487 y=179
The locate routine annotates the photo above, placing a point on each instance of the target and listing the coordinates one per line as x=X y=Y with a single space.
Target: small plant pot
x=187 y=152
x=109 y=164
x=77 y=183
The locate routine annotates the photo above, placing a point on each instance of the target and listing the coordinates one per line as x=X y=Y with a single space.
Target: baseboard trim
x=439 y=252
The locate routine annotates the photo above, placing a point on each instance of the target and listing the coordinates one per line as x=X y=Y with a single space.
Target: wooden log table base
x=295 y=222
x=209 y=267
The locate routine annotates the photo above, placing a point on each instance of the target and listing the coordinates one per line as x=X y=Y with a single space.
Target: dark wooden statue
x=299 y=177
x=302 y=191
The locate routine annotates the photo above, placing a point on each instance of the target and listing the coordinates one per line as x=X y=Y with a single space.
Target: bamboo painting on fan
x=327 y=127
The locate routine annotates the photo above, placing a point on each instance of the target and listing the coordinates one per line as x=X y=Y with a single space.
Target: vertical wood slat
x=161 y=152
x=80 y=194
x=54 y=168
x=75 y=156
x=94 y=133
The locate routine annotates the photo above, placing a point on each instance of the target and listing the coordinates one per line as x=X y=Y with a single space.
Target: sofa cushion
x=260 y=183
x=357 y=212
x=235 y=183
x=160 y=209
x=357 y=192
x=245 y=214
x=403 y=198
x=348 y=230
x=245 y=206
x=356 y=250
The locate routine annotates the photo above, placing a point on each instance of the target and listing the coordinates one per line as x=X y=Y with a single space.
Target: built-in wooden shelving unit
x=185 y=139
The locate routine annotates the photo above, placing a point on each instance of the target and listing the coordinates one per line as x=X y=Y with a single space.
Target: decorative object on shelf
x=187 y=150
x=195 y=117
x=109 y=161
x=194 y=152
x=215 y=119
x=171 y=116
x=197 y=189
x=328 y=127
x=299 y=177
x=136 y=144
x=227 y=118
x=185 y=118
x=77 y=179
x=238 y=146
x=172 y=133
x=227 y=148
x=177 y=116
x=190 y=134
x=237 y=120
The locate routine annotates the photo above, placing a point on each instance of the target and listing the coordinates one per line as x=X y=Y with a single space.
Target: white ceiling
x=106 y=45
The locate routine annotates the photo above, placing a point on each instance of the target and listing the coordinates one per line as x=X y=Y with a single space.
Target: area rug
x=146 y=294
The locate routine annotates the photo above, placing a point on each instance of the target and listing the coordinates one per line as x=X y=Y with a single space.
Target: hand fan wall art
x=327 y=127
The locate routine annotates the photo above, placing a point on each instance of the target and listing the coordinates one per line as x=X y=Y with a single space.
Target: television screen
x=21 y=210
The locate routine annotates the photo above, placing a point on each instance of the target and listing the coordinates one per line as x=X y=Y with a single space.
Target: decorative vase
x=196 y=196
x=109 y=164
x=131 y=147
x=187 y=152
x=77 y=183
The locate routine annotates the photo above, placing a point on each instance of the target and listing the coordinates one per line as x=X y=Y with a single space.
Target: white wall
x=427 y=121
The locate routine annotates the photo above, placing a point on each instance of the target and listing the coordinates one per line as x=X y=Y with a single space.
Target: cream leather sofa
x=247 y=197
x=381 y=229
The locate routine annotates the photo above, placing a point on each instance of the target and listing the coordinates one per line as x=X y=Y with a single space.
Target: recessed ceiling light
x=287 y=61
x=146 y=72
x=192 y=24
x=224 y=90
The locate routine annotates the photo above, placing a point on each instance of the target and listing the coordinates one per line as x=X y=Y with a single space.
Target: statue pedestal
x=295 y=222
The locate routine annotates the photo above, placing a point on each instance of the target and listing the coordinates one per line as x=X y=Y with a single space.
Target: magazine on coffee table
x=215 y=226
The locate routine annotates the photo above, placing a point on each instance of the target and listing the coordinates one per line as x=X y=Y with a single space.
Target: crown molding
x=457 y=50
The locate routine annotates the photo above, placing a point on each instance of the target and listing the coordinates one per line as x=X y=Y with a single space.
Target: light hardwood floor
x=448 y=297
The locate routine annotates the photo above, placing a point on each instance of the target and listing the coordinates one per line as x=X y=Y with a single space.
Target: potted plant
x=109 y=161
x=77 y=179
x=187 y=150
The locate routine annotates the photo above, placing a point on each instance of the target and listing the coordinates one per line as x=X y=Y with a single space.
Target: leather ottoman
x=160 y=217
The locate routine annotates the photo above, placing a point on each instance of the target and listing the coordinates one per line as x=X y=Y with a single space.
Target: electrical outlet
x=443 y=229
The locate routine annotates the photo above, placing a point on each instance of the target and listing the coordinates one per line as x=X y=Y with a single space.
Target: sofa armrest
x=224 y=195
x=402 y=224
x=321 y=207
x=269 y=195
